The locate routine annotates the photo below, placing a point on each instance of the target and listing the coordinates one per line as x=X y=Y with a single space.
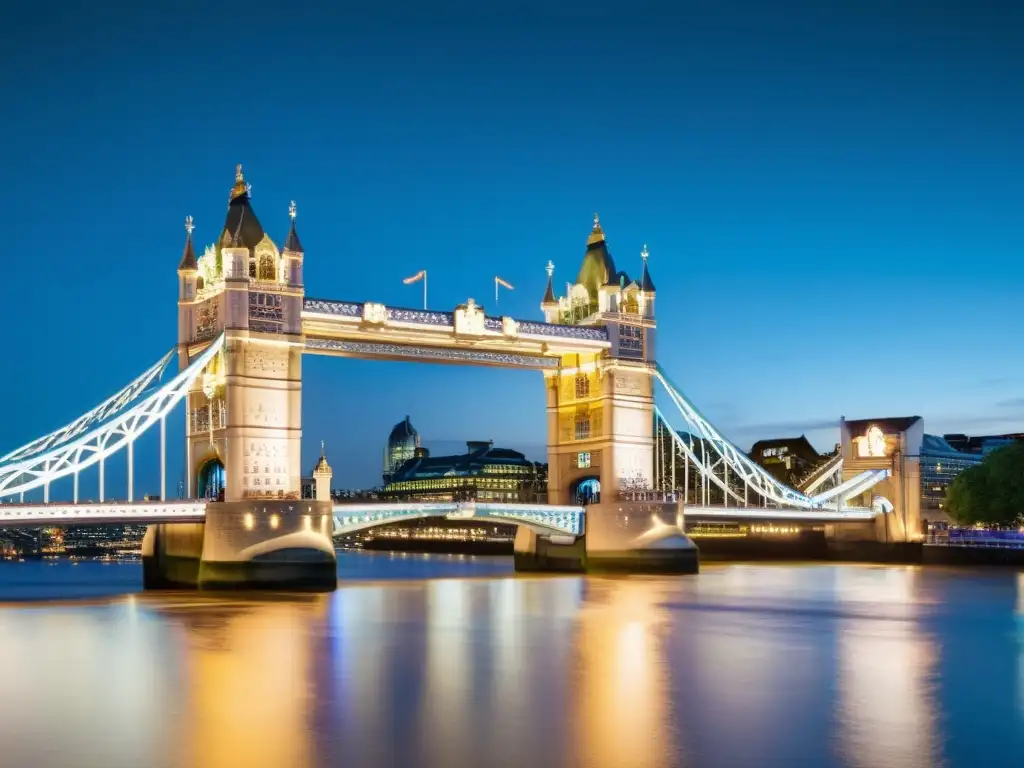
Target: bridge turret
x=322 y=474
x=549 y=304
x=293 y=253
x=647 y=290
x=188 y=268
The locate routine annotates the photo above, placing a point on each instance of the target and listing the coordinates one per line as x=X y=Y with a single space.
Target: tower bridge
x=244 y=325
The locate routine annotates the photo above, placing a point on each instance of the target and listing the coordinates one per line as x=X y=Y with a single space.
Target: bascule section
x=243 y=415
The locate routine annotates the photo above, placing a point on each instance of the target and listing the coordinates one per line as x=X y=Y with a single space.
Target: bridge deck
x=107 y=513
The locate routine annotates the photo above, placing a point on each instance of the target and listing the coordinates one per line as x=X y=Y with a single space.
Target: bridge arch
x=542 y=519
x=210 y=478
x=585 y=491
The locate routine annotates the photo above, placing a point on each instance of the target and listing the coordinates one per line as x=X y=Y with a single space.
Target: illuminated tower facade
x=244 y=417
x=244 y=439
x=601 y=407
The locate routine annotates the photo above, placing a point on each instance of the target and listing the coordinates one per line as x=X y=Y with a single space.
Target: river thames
x=446 y=661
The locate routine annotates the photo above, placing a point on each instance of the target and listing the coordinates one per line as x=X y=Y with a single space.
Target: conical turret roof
x=291 y=242
x=241 y=227
x=188 y=256
x=598 y=267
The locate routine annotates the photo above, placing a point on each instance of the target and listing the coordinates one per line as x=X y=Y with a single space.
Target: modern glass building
x=482 y=473
x=403 y=442
x=940 y=463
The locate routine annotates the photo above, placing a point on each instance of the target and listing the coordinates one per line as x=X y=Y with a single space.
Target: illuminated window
x=274 y=520
x=252 y=268
x=583 y=427
x=267 y=269
x=247 y=521
x=583 y=460
x=582 y=385
x=631 y=340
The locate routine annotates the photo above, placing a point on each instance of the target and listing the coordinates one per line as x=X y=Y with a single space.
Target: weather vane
x=643 y=253
x=597 y=220
x=550 y=268
x=291 y=209
x=189 y=226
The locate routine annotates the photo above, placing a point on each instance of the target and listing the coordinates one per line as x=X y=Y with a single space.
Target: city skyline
x=838 y=248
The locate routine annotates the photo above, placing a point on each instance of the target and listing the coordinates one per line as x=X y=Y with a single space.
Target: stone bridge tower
x=244 y=417
x=601 y=427
x=601 y=407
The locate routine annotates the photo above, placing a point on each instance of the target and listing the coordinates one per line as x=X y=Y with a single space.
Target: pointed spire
x=549 y=293
x=240 y=188
x=322 y=465
x=188 y=257
x=646 y=284
x=597 y=234
x=292 y=243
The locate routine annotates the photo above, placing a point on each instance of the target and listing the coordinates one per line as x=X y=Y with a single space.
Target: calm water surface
x=434 y=661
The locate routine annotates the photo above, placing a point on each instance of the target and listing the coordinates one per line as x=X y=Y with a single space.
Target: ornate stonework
x=469 y=319
x=628 y=383
x=483 y=357
x=266 y=361
x=375 y=314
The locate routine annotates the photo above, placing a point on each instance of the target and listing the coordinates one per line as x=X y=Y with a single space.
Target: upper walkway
x=369 y=330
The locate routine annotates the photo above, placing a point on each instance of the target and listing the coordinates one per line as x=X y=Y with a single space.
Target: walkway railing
x=985 y=539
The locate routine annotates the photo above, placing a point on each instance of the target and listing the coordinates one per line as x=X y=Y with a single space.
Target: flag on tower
x=498 y=281
x=415 y=278
x=421 y=275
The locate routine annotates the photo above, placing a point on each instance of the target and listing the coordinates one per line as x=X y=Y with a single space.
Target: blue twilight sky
x=831 y=194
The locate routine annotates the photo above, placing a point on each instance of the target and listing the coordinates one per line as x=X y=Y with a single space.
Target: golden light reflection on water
x=747 y=666
x=248 y=673
x=621 y=681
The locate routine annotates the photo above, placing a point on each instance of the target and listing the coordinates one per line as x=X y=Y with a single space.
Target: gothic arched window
x=268 y=270
x=582 y=385
x=252 y=268
x=582 y=426
x=631 y=305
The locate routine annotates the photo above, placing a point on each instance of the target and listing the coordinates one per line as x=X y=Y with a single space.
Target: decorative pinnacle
x=321 y=442
x=597 y=234
x=240 y=188
x=643 y=253
x=189 y=226
x=291 y=210
x=550 y=268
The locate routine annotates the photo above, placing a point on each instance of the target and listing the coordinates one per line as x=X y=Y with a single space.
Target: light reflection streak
x=446 y=707
x=622 y=686
x=886 y=713
x=247 y=677
x=1020 y=645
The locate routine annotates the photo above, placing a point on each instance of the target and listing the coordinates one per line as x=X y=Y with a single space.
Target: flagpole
x=424 y=290
x=495 y=290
